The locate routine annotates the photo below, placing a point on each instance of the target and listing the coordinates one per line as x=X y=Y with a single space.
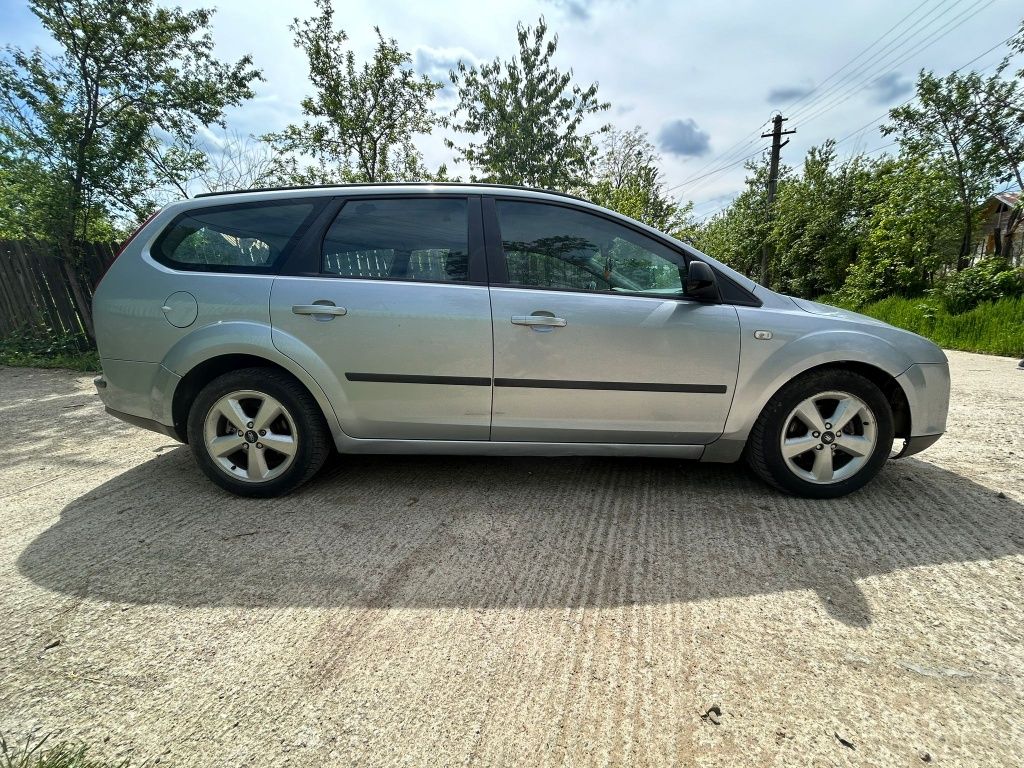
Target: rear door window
x=400 y=239
x=251 y=237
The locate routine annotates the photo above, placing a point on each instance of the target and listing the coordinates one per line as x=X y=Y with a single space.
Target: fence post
x=82 y=303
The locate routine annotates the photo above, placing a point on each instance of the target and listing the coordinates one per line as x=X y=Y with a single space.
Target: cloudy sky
x=701 y=77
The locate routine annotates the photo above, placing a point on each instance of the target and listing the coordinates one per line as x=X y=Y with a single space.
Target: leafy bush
x=45 y=348
x=989 y=280
x=871 y=280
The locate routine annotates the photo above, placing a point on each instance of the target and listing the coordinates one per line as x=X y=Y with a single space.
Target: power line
x=879 y=149
x=719 y=170
x=954 y=24
x=789 y=107
x=726 y=163
x=869 y=70
x=885 y=114
x=728 y=158
x=724 y=155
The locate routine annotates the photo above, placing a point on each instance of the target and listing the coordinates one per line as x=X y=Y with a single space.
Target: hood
x=825 y=310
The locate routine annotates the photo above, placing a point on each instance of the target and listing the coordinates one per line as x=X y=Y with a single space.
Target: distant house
x=1001 y=230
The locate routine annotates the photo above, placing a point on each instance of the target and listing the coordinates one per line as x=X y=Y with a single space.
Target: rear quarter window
x=249 y=237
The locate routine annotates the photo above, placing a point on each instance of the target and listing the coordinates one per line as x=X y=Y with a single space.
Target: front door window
x=559 y=248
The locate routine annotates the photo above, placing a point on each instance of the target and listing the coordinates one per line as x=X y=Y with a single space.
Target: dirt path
x=454 y=611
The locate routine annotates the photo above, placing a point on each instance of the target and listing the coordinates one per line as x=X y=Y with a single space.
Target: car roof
x=408 y=186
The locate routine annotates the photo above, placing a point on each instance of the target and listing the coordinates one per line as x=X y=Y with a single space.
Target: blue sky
x=702 y=78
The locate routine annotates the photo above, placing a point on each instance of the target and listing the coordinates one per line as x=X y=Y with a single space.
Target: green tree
x=130 y=77
x=913 y=234
x=998 y=114
x=630 y=181
x=362 y=120
x=819 y=221
x=736 y=235
x=940 y=128
x=524 y=117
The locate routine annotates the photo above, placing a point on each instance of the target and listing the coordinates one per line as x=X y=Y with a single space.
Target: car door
x=393 y=304
x=593 y=340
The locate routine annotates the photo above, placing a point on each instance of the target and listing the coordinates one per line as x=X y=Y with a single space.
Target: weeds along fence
x=40 y=289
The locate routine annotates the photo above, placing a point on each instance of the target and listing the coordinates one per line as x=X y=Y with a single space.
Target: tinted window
x=548 y=246
x=237 y=237
x=411 y=239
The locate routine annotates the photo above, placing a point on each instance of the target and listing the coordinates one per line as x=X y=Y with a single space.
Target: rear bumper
x=151 y=424
x=139 y=393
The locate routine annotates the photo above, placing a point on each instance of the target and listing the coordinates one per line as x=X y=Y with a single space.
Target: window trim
x=307 y=261
x=498 y=267
x=157 y=254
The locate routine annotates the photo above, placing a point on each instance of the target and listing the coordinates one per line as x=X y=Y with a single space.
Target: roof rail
x=396 y=184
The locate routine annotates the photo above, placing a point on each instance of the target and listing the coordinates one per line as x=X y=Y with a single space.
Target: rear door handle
x=553 y=322
x=318 y=309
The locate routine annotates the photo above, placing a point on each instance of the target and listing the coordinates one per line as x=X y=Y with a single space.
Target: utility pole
x=773 y=179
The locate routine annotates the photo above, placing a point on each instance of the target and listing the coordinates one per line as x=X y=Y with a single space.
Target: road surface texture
x=511 y=612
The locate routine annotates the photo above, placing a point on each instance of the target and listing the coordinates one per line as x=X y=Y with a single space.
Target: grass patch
x=41 y=348
x=87 y=362
x=37 y=753
x=993 y=327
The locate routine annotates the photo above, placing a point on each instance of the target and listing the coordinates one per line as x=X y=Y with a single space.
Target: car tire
x=795 y=447
x=257 y=432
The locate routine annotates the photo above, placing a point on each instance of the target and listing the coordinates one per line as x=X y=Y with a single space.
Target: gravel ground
x=455 y=611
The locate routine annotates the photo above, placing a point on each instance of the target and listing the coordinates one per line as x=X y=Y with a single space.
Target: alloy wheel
x=829 y=437
x=250 y=436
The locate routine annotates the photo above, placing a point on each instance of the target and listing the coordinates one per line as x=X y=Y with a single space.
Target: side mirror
x=700 y=282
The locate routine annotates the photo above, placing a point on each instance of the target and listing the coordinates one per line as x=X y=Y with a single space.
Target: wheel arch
x=769 y=375
x=202 y=356
x=207 y=370
x=885 y=381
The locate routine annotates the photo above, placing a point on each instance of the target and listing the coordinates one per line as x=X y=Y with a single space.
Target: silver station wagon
x=267 y=328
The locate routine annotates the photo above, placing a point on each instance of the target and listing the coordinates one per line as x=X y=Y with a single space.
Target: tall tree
x=524 y=117
x=912 y=233
x=940 y=126
x=362 y=120
x=130 y=76
x=629 y=180
x=820 y=219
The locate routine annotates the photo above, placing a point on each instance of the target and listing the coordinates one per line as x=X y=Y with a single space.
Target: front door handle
x=547 y=320
x=319 y=309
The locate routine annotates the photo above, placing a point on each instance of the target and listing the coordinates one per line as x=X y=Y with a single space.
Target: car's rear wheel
x=257 y=432
x=823 y=435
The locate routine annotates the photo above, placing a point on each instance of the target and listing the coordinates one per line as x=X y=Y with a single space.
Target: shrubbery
x=989 y=280
x=46 y=348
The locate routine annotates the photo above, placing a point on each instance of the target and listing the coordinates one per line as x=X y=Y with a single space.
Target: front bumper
x=912 y=445
x=926 y=386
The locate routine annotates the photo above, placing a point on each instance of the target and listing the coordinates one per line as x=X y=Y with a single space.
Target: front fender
x=766 y=366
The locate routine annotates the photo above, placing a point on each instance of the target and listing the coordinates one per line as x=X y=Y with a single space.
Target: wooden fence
x=40 y=289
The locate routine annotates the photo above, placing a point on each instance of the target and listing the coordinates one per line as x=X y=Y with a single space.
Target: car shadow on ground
x=428 y=532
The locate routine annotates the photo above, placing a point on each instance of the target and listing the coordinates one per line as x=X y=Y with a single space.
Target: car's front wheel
x=257 y=432
x=823 y=435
